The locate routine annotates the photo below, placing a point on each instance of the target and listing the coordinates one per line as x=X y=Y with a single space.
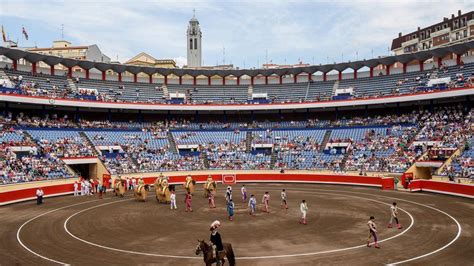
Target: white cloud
x=180 y=61
x=287 y=30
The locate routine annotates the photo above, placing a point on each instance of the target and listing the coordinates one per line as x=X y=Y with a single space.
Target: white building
x=194 y=38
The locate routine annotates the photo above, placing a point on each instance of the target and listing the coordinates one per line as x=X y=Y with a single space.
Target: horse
x=207 y=252
x=163 y=192
x=189 y=187
x=209 y=187
x=141 y=192
x=119 y=187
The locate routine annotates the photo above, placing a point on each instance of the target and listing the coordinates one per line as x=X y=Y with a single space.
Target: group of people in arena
x=218 y=248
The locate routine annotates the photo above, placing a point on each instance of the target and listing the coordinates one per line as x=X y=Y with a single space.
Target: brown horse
x=209 y=187
x=141 y=192
x=119 y=187
x=209 y=258
x=189 y=187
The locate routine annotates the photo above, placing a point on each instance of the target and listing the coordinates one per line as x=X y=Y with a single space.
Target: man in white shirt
x=243 y=190
x=304 y=210
x=39 y=196
x=173 y=200
x=266 y=202
x=284 y=204
x=83 y=188
x=76 y=188
x=394 y=216
x=86 y=187
x=252 y=205
x=128 y=183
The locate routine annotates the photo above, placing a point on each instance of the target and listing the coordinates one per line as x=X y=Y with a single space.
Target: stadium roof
x=15 y=54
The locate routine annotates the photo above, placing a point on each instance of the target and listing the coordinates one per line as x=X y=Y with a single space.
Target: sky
x=252 y=32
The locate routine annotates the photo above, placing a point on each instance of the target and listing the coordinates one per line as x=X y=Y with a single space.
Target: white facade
x=194 y=37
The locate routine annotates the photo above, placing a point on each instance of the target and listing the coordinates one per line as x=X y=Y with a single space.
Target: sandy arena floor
x=438 y=230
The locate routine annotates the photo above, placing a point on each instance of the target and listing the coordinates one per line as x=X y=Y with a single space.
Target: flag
x=25 y=33
x=4 y=35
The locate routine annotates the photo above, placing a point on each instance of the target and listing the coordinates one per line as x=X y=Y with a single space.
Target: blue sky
x=252 y=32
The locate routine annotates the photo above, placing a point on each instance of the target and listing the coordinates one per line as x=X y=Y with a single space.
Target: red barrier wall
x=455 y=189
x=275 y=178
x=53 y=190
x=30 y=193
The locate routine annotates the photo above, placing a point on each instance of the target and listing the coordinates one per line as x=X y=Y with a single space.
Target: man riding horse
x=210 y=186
x=141 y=183
x=158 y=181
x=163 y=193
x=141 y=191
x=189 y=184
x=216 y=241
x=215 y=251
x=119 y=186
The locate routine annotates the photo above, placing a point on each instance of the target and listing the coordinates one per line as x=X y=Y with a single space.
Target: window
x=195 y=44
x=191 y=43
x=465 y=33
x=445 y=25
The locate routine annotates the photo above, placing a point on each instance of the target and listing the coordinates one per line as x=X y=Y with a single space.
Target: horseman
x=158 y=180
x=141 y=183
x=164 y=185
x=189 y=184
x=209 y=186
x=216 y=241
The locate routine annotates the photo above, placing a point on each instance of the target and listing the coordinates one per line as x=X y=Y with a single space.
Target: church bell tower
x=194 y=37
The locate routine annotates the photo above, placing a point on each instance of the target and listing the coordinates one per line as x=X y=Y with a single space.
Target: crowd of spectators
x=383 y=152
x=66 y=147
x=407 y=138
x=417 y=84
x=28 y=166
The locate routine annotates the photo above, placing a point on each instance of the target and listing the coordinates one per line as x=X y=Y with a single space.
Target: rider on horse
x=141 y=183
x=209 y=182
x=216 y=240
x=189 y=180
x=164 y=185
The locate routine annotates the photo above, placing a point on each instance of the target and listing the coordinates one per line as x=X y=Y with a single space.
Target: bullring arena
x=110 y=155
x=437 y=229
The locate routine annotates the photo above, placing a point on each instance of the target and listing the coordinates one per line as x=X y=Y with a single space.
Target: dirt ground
x=122 y=231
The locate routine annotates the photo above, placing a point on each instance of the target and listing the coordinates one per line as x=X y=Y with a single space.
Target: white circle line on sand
x=458 y=234
x=36 y=217
x=239 y=258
